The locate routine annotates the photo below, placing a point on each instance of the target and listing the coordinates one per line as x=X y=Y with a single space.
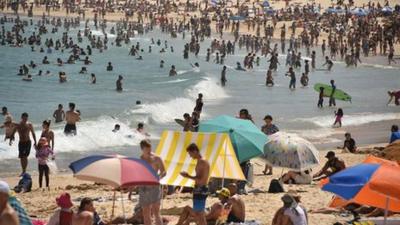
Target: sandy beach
x=260 y=205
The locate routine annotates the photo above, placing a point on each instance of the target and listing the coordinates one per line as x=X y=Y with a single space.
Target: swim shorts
x=149 y=195
x=24 y=149
x=199 y=198
x=70 y=129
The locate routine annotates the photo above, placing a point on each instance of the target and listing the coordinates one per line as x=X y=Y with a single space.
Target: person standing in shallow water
x=59 y=114
x=223 y=76
x=119 y=83
x=25 y=144
x=71 y=117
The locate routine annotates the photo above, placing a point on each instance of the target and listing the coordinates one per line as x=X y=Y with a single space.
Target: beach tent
x=216 y=148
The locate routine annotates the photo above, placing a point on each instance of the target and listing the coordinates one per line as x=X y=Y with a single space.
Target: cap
x=330 y=154
x=64 y=201
x=224 y=192
x=4 y=187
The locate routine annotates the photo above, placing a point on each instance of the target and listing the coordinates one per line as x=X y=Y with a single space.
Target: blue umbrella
x=266 y=4
x=359 y=12
x=387 y=10
x=269 y=11
x=237 y=18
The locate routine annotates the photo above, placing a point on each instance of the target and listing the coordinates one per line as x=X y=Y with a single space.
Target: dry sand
x=260 y=205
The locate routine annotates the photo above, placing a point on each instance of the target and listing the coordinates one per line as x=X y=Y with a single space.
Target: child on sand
x=339 y=115
x=42 y=154
x=8 y=129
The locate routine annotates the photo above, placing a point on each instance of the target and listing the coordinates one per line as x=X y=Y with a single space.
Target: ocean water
x=164 y=98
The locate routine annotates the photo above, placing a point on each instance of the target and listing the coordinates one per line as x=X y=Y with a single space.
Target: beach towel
x=23 y=217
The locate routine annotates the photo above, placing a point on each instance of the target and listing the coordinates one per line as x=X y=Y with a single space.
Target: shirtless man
x=8 y=216
x=200 y=190
x=59 y=114
x=25 y=144
x=150 y=196
x=71 y=117
x=85 y=214
x=238 y=209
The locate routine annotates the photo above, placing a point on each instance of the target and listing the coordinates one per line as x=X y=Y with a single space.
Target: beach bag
x=275 y=187
x=52 y=166
x=24 y=185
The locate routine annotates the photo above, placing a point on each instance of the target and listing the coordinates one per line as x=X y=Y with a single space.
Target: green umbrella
x=247 y=140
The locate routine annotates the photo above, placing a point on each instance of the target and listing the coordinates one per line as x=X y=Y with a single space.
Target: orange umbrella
x=338 y=202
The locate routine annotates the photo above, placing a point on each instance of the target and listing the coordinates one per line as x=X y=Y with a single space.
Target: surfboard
x=180 y=122
x=339 y=94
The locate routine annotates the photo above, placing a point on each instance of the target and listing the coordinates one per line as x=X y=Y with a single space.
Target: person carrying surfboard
x=332 y=100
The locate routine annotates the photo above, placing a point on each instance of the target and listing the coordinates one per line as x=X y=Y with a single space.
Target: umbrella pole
x=223 y=170
x=123 y=207
x=386 y=211
x=113 y=205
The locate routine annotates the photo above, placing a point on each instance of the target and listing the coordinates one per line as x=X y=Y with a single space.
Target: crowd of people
x=340 y=36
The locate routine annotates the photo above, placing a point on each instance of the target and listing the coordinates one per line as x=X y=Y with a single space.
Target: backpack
x=275 y=186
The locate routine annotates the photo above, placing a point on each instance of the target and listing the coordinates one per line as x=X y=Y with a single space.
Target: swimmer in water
x=162 y=64
x=139 y=58
x=83 y=70
x=304 y=80
x=328 y=63
x=140 y=129
x=109 y=67
x=195 y=65
x=239 y=67
x=116 y=128
x=172 y=71
x=93 y=78
x=27 y=78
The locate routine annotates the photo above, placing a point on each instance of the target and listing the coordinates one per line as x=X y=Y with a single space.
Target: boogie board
x=339 y=94
x=180 y=122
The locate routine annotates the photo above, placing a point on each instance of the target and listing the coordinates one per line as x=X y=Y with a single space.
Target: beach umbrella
x=269 y=10
x=331 y=10
x=387 y=10
x=290 y=151
x=359 y=12
x=237 y=18
x=372 y=184
x=266 y=4
x=247 y=139
x=114 y=170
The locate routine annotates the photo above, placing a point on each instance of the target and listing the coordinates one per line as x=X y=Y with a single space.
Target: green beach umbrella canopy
x=247 y=139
